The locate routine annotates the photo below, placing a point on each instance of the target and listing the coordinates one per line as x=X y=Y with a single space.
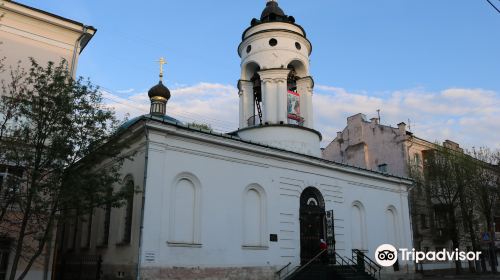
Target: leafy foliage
x=58 y=136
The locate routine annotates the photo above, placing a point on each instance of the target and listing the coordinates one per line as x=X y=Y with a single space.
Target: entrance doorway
x=312 y=223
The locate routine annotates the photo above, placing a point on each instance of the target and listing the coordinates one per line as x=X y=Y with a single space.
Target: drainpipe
x=76 y=50
x=146 y=156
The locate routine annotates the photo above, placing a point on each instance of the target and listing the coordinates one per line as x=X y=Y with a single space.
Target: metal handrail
x=344 y=262
x=279 y=271
x=374 y=268
x=308 y=263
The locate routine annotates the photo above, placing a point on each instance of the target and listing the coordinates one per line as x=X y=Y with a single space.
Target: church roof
x=232 y=136
x=162 y=118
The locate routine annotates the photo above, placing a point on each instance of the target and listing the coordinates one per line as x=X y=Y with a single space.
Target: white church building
x=245 y=204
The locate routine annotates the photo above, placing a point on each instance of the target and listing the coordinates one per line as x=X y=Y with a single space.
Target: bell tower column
x=274 y=95
x=305 y=88
x=247 y=102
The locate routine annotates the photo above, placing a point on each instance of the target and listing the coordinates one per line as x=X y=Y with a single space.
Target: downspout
x=146 y=158
x=410 y=198
x=75 y=51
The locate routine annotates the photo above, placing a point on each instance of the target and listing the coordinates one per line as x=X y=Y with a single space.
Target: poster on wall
x=330 y=233
x=294 y=107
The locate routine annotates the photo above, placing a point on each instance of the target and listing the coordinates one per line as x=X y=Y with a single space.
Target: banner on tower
x=294 y=106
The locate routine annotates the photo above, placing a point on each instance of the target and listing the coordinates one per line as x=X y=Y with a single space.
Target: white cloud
x=213 y=104
x=130 y=90
x=467 y=116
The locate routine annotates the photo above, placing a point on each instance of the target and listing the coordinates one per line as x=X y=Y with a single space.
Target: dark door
x=312 y=223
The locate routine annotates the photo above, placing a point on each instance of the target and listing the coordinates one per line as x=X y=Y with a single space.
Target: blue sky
x=436 y=63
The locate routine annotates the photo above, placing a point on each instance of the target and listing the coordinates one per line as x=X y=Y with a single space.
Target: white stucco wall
x=284 y=137
x=224 y=168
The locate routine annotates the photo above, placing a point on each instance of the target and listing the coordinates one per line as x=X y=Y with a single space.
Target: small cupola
x=272 y=12
x=159 y=94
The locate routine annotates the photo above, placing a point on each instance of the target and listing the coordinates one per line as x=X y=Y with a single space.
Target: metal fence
x=79 y=267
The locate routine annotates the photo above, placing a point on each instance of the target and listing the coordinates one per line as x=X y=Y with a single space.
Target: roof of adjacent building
x=88 y=30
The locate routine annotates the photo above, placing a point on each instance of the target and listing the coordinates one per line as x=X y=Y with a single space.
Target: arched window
x=257 y=96
x=293 y=98
x=358 y=226
x=185 y=210
x=292 y=79
x=254 y=217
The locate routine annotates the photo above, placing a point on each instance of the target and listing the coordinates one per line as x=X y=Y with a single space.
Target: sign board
x=485 y=236
x=330 y=232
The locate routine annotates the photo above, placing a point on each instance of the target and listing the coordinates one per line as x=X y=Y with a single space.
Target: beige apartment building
x=392 y=150
x=371 y=145
x=29 y=32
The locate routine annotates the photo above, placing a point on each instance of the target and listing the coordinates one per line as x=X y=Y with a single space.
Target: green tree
x=55 y=133
x=443 y=185
x=462 y=189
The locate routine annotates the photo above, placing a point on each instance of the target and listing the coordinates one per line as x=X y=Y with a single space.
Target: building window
x=4 y=257
x=254 y=217
x=423 y=221
x=185 y=216
x=382 y=168
x=417 y=160
x=106 y=222
x=86 y=227
x=72 y=229
x=129 y=211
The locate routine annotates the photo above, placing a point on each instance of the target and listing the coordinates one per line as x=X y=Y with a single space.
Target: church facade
x=245 y=204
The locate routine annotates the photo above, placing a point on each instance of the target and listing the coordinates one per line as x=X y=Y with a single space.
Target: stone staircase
x=330 y=272
x=358 y=267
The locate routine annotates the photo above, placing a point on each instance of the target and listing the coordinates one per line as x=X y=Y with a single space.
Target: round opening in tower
x=273 y=42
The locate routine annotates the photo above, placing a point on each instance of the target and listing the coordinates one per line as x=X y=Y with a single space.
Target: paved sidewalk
x=485 y=276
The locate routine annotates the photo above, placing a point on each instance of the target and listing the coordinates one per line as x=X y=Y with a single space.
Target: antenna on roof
x=409 y=125
x=378 y=113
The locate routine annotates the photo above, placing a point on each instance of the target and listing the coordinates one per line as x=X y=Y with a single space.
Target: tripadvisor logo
x=387 y=255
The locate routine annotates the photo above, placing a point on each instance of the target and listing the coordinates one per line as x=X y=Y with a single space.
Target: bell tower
x=275 y=88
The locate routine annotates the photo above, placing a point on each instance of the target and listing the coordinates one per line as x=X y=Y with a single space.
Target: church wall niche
x=185 y=216
x=358 y=226
x=391 y=216
x=254 y=217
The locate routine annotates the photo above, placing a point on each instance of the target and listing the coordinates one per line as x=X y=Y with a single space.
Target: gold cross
x=162 y=61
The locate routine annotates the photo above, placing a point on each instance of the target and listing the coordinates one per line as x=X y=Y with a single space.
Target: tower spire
x=159 y=94
x=162 y=61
